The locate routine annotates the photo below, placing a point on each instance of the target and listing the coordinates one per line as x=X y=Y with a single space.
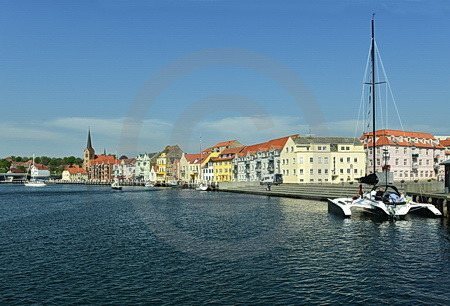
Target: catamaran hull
x=339 y=207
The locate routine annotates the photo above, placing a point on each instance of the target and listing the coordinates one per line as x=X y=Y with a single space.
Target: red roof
x=104 y=159
x=445 y=143
x=383 y=139
x=398 y=133
x=275 y=144
x=196 y=158
x=76 y=170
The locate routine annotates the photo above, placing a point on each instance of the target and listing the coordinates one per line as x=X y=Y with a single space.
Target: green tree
x=4 y=165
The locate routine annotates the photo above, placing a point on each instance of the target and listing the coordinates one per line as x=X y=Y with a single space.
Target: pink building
x=408 y=155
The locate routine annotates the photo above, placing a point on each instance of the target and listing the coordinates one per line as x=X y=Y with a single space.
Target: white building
x=259 y=160
x=408 y=155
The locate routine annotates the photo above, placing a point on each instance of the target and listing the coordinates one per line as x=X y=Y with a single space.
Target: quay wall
x=424 y=187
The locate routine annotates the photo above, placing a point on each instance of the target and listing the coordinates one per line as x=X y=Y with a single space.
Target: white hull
x=35 y=184
x=116 y=186
x=202 y=187
x=344 y=207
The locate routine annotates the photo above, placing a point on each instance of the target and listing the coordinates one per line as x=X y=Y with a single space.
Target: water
x=67 y=244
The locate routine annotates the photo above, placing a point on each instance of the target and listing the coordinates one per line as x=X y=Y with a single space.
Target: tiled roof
x=398 y=133
x=445 y=143
x=104 y=159
x=275 y=144
x=232 y=150
x=220 y=144
x=384 y=140
x=76 y=170
x=196 y=158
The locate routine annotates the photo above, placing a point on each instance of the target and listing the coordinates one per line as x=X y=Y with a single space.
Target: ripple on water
x=88 y=245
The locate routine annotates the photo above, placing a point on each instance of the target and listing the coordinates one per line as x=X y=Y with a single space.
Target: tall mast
x=372 y=55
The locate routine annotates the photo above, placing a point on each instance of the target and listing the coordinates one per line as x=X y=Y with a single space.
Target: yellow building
x=161 y=165
x=322 y=160
x=223 y=164
x=75 y=174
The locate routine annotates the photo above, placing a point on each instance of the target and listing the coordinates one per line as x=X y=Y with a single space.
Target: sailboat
x=34 y=182
x=387 y=202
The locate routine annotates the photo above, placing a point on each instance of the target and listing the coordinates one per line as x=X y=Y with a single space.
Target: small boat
x=149 y=185
x=34 y=182
x=202 y=187
x=116 y=185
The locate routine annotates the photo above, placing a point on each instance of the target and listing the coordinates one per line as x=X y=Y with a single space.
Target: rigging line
x=361 y=103
x=390 y=91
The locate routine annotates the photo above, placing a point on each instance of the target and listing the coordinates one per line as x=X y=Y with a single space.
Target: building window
x=347 y=148
x=311 y=171
x=355 y=160
x=293 y=161
x=319 y=160
x=348 y=159
x=300 y=160
x=356 y=171
x=301 y=172
x=405 y=162
x=311 y=159
x=341 y=171
x=319 y=171
x=325 y=160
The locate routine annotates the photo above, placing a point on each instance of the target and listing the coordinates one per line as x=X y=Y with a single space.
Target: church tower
x=89 y=153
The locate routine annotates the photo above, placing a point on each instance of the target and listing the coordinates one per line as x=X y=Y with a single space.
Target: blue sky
x=68 y=65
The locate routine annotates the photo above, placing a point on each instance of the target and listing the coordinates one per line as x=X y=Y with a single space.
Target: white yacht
x=390 y=205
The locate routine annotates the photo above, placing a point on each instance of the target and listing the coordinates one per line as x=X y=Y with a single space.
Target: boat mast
x=372 y=55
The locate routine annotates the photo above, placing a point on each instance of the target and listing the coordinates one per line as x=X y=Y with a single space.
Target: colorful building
x=165 y=161
x=223 y=164
x=75 y=174
x=259 y=160
x=408 y=155
x=322 y=160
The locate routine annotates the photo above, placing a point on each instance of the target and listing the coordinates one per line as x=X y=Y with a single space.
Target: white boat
x=389 y=206
x=116 y=185
x=34 y=182
x=202 y=187
x=149 y=185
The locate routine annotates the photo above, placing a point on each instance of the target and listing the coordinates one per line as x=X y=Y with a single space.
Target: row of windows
x=319 y=171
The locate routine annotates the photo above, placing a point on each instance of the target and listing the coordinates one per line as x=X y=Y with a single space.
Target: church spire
x=89 y=144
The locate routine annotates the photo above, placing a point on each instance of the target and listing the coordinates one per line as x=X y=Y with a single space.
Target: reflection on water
x=89 y=245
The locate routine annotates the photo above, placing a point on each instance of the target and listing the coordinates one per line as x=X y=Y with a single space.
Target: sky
x=145 y=74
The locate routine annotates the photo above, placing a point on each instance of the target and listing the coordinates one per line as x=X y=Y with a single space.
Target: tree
x=4 y=165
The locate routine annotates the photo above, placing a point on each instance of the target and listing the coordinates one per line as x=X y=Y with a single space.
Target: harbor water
x=76 y=244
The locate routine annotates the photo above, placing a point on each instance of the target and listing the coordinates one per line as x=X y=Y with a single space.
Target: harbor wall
x=424 y=187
